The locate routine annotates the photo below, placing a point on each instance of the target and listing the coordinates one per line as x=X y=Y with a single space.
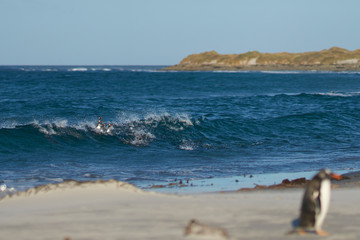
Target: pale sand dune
x=114 y=210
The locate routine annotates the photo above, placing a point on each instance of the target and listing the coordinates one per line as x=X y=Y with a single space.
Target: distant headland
x=333 y=59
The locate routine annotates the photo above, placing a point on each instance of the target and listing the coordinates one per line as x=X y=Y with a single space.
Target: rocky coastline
x=334 y=59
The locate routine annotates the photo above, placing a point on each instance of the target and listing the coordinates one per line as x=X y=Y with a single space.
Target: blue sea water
x=172 y=125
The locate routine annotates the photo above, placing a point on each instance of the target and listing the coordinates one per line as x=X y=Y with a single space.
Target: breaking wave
x=128 y=130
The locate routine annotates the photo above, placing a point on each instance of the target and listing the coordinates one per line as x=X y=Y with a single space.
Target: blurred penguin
x=315 y=204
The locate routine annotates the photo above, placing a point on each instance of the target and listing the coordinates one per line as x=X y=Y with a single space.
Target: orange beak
x=335 y=176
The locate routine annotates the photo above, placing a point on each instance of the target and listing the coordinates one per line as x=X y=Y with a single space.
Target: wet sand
x=116 y=210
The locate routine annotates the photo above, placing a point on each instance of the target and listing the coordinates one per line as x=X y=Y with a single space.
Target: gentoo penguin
x=98 y=126
x=316 y=202
x=108 y=130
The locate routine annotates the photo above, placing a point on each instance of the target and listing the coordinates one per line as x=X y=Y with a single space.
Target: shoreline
x=235 y=183
x=260 y=181
x=118 y=210
x=255 y=68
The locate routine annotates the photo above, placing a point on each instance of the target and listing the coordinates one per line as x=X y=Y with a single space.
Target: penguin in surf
x=99 y=124
x=103 y=128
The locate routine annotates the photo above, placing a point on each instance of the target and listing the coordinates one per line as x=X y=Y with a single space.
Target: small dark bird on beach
x=315 y=203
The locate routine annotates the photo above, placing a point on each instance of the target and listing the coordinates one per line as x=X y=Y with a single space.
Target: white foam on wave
x=230 y=71
x=58 y=180
x=142 y=70
x=134 y=128
x=29 y=69
x=184 y=118
x=140 y=128
x=142 y=137
x=4 y=190
x=175 y=118
x=84 y=125
x=129 y=118
x=187 y=145
x=48 y=127
x=332 y=93
x=101 y=69
x=9 y=125
x=54 y=127
x=154 y=117
x=79 y=69
x=61 y=123
x=339 y=94
x=48 y=130
x=282 y=72
x=49 y=70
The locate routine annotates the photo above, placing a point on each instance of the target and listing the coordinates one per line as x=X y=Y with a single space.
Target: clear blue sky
x=162 y=32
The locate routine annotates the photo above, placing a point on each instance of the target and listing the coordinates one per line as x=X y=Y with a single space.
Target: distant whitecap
x=338 y=94
x=78 y=69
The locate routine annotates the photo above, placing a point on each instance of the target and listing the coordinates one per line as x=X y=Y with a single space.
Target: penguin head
x=327 y=174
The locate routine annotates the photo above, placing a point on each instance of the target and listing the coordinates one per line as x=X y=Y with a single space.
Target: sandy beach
x=117 y=210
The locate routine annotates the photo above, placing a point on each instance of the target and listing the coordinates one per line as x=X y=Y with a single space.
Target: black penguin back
x=311 y=204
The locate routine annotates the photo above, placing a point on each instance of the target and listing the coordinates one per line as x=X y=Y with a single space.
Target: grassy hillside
x=331 y=59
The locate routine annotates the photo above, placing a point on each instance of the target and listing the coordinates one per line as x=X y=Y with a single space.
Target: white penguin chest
x=324 y=203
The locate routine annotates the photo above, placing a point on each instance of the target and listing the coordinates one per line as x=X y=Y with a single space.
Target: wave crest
x=128 y=129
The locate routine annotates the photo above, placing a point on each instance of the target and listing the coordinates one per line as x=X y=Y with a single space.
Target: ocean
x=173 y=126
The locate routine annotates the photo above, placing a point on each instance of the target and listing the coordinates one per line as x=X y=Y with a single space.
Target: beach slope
x=116 y=210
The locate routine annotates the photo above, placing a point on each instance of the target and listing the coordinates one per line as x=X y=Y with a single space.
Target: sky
x=163 y=32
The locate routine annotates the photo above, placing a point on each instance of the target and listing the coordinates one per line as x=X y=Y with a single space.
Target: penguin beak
x=335 y=176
